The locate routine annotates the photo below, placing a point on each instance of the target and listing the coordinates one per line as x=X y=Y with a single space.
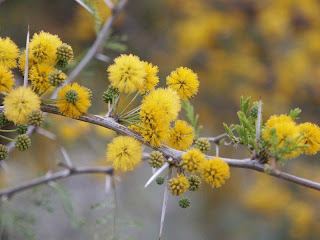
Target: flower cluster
x=45 y=56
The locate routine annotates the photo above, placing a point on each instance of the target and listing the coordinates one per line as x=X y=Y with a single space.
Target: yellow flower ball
x=181 y=136
x=127 y=73
x=151 y=79
x=79 y=106
x=39 y=77
x=184 y=81
x=193 y=160
x=178 y=185
x=167 y=99
x=6 y=79
x=43 y=47
x=9 y=53
x=125 y=153
x=215 y=172
x=19 y=103
x=311 y=138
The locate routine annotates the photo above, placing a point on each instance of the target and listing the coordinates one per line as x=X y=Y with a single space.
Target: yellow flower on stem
x=6 y=79
x=18 y=103
x=181 y=136
x=9 y=53
x=73 y=100
x=151 y=79
x=215 y=172
x=39 y=77
x=127 y=73
x=311 y=138
x=125 y=153
x=43 y=47
x=184 y=81
x=193 y=160
x=177 y=186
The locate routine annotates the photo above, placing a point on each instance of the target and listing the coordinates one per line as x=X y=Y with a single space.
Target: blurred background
x=266 y=49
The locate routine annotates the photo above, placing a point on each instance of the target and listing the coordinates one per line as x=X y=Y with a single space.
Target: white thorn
x=157 y=173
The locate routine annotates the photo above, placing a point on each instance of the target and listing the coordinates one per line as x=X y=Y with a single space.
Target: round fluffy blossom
x=167 y=99
x=77 y=108
x=192 y=160
x=43 y=47
x=151 y=79
x=22 y=142
x=9 y=52
x=202 y=144
x=178 y=185
x=36 y=118
x=181 y=136
x=22 y=61
x=125 y=153
x=287 y=133
x=184 y=81
x=18 y=103
x=3 y=152
x=215 y=172
x=39 y=77
x=56 y=78
x=127 y=73
x=311 y=138
x=6 y=79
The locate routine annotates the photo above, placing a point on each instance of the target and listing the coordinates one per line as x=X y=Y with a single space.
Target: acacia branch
x=9 y=192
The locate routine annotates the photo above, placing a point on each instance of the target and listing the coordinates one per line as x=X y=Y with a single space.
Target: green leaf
x=294 y=113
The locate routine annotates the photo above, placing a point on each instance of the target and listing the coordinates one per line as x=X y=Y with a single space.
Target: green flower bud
x=65 y=53
x=194 y=182
x=72 y=96
x=3 y=152
x=56 y=78
x=22 y=128
x=160 y=180
x=156 y=159
x=3 y=120
x=184 y=202
x=22 y=142
x=202 y=144
x=110 y=95
x=254 y=110
x=36 y=118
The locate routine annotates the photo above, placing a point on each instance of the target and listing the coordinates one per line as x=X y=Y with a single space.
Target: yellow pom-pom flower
x=167 y=99
x=43 y=47
x=125 y=153
x=215 y=172
x=9 y=53
x=18 y=103
x=39 y=76
x=178 y=185
x=311 y=138
x=127 y=73
x=6 y=79
x=272 y=123
x=193 y=160
x=184 y=81
x=153 y=114
x=181 y=136
x=151 y=78
x=74 y=100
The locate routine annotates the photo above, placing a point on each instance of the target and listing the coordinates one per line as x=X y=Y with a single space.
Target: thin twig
x=258 y=126
x=84 y=6
x=218 y=138
x=9 y=192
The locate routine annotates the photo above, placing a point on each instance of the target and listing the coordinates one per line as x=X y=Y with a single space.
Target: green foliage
x=95 y=15
x=294 y=113
x=192 y=117
x=116 y=43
